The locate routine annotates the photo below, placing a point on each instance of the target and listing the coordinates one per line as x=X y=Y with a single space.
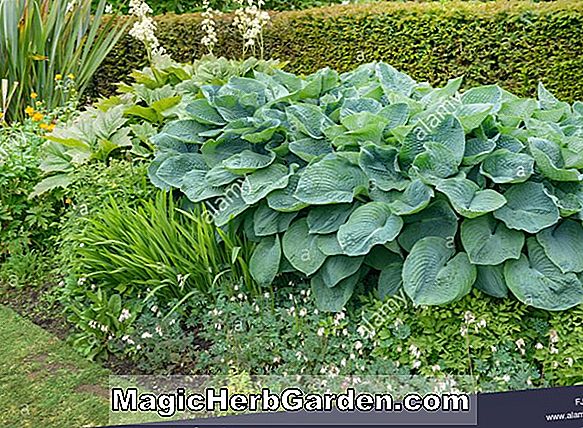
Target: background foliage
x=516 y=44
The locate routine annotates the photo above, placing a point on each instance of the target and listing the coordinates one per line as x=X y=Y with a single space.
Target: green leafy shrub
x=437 y=191
x=26 y=227
x=42 y=41
x=427 y=40
x=125 y=123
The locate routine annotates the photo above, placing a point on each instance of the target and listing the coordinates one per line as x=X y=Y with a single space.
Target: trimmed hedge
x=515 y=44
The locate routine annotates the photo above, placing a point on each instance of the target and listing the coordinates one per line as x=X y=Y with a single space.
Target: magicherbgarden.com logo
x=291 y=400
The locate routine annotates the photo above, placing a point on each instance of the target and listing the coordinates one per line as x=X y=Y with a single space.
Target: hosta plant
x=429 y=190
x=125 y=122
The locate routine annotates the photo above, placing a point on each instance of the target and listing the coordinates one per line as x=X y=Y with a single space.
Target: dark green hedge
x=515 y=44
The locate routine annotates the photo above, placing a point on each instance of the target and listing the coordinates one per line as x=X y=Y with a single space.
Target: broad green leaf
x=433 y=274
x=414 y=199
x=563 y=245
x=265 y=261
x=196 y=188
x=381 y=256
x=536 y=281
x=308 y=119
x=328 y=218
x=284 y=200
x=330 y=180
x=220 y=176
x=229 y=205
x=248 y=161
x=201 y=111
x=472 y=115
x=529 y=208
x=550 y=161
x=301 y=248
x=438 y=219
x=50 y=183
x=489 y=242
x=491 y=280
x=381 y=166
x=173 y=169
x=264 y=181
x=309 y=148
x=393 y=80
x=329 y=245
x=477 y=149
x=333 y=299
x=369 y=225
x=504 y=166
x=467 y=198
x=337 y=268
x=390 y=279
x=268 y=222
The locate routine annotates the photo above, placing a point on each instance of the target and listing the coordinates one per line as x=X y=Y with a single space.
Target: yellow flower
x=59 y=77
x=71 y=76
x=51 y=127
x=68 y=201
x=29 y=110
x=37 y=117
x=39 y=103
x=34 y=95
x=44 y=126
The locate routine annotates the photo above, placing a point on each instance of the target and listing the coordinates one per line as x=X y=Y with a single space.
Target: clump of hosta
x=431 y=191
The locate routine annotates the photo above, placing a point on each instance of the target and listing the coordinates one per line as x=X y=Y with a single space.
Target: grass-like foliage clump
x=372 y=173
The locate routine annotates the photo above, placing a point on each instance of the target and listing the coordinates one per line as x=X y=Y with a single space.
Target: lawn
x=43 y=382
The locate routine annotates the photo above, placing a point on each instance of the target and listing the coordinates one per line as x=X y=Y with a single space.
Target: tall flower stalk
x=209 y=26
x=144 y=29
x=250 y=20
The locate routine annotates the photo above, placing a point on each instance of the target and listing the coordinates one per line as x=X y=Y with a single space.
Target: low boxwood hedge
x=514 y=43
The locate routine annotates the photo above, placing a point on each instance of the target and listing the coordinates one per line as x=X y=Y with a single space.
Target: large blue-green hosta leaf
x=269 y=222
x=265 y=261
x=381 y=166
x=333 y=299
x=536 y=281
x=173 y=170
x=369 y=225
x=328 y=218
x=414 y=199
x=489 y=242
x=332 y=180
x=264 y=181
x=550 y=161
x=563 y=244
x=433 y=274
x=529 y=208
x=337 y=268
x=301 y=248
x=491 y=280
x=467 y=198
x=504 y=166
x=438 y=219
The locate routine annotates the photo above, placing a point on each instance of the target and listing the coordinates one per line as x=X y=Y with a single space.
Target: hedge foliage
x=515 y=44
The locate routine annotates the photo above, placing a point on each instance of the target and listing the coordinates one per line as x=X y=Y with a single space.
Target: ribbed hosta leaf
x=220 y=176
x=472 y=115
x=504 y=166
x=477 y=149
x=196 y=188
x=489 y=242
x=333 y=299
x=330 y=180
x=491 y=280
x=268 y=222
x=390 y=278
x=550 y=161
x=173 y=169
x=367 y=226
x=433 y=274
x=228 y=206
x=438 y=219
x=265 y=261
x=248 y=161
x=381 y=166
x=328 y=218
x=201 y=111
x=563 y=244
x=284 y=200
x=414 y=199
x=467 y=198
x=301 y=248
x=329 y=245
x=308 y=119
x=535 y=280
x=309 y=148
x=337 y=268
x=529 y=208
x=264 y=181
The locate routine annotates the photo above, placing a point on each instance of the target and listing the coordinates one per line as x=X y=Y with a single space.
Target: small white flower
x=554 y=336
x=320 y=332
x=303 y=312
x=569 y=361
x=358 y=345
x=147 y=335
x=416 y=364
x=539 y=346
x=343 y=362
x=506 y=378
x=435 y=368
x=154 y=308
x=108 y=8
x=125 y=314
